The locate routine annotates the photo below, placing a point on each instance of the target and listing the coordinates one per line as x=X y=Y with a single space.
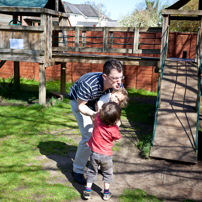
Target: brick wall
x=136 y=76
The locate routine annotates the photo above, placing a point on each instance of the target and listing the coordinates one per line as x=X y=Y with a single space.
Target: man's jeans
x=86 y=127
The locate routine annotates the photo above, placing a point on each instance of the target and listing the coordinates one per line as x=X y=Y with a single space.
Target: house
x=84 y=15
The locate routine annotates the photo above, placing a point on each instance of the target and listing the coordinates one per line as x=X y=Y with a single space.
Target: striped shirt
x=88 y=88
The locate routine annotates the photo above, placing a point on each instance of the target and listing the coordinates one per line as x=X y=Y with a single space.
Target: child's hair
x=110 y=113
x=124 y=102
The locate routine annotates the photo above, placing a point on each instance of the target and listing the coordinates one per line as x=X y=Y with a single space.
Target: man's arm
x=84 y=109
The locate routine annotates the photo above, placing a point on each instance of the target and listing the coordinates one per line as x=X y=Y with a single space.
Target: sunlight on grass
x=137 y=195
x=34 y=131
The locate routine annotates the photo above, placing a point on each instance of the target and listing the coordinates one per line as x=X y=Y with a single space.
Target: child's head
x=110 y=113
x=120 y=96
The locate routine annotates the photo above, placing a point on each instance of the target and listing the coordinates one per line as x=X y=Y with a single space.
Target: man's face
x=113 y=80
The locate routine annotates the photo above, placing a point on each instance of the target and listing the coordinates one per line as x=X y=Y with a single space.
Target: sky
x=119 y=8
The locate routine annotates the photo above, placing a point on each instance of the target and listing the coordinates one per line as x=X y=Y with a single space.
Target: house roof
x=82 y=9
x=32 y=4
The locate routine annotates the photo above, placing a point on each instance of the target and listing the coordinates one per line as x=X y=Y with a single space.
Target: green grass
x=142 y=113
x=31 y=131
x=137 y=195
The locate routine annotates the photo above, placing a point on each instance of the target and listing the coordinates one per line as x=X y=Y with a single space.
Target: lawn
x=25 y=129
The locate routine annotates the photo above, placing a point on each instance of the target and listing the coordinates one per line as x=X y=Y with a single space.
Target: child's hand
x=118 y=123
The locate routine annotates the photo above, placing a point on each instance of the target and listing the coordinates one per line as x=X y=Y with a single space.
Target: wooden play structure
x=48 y=45
x=178 y=100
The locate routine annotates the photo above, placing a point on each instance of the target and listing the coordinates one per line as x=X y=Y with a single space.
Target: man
x=83 y=95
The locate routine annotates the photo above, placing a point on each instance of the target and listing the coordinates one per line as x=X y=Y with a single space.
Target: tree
x=101 y=10
x=148 y=17
x=186 y=26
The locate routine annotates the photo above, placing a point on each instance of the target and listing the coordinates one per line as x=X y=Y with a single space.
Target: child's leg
x=91 y=175
x=107 y=171
x=106 y=185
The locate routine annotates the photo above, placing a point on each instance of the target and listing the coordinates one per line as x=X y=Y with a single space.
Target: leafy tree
x=148 y=17
x=186 y=26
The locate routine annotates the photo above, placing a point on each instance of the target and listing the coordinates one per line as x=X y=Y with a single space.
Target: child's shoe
x=107 y=196
x=86 y=194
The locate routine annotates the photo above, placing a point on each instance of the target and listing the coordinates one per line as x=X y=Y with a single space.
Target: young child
x=119 y=96
x=105 y=131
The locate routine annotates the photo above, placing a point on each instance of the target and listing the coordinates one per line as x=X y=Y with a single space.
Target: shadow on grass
x=63 y=155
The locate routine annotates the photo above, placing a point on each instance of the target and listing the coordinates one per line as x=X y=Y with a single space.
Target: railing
x=106 y=40
x=199 y=81
x=161 y=70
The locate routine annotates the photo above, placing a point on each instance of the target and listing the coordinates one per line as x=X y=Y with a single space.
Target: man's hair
x=123 y=91
x=112 y=64
x=110 y=113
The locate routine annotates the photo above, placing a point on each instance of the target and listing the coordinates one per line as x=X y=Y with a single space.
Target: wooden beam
x=57 y=5
x=188 y=18
x=63 y=79
x=42 y=84
x=25 y=11
x=22 y=28
x=100 y=59
x=182 y=12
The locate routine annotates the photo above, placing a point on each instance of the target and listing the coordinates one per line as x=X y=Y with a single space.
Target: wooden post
x=49 y=37
x=111 y=39
x=105 y=39
x=44 y=37
x=163 y=39
x=76 y=39
x=163 y=42
x=57 y=5
x=83 y=39
x=136 y=40
x=63 y=79
x=16 y=73
x=42 y=84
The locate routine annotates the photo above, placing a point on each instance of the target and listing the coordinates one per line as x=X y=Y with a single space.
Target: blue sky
x=119 y=8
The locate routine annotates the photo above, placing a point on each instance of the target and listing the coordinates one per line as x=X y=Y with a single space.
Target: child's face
x=116 y=97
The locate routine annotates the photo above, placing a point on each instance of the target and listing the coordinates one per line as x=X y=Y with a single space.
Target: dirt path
x=170 y=181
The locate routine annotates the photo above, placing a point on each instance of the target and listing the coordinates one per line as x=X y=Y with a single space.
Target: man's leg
x=83 y=151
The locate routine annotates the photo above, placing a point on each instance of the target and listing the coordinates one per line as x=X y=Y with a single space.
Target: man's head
x=112 y=74
x=110 y=113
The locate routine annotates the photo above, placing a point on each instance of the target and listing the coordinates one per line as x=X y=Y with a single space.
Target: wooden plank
x=87 y=58
x=23 y=58
x=33 y=11
x=21 y=51
x=22 y=28
x=182 y=12
x=176 y=124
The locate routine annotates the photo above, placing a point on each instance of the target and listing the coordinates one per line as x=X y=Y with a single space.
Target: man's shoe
x=86 y=194
x=107 y=196
x=79 y=178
